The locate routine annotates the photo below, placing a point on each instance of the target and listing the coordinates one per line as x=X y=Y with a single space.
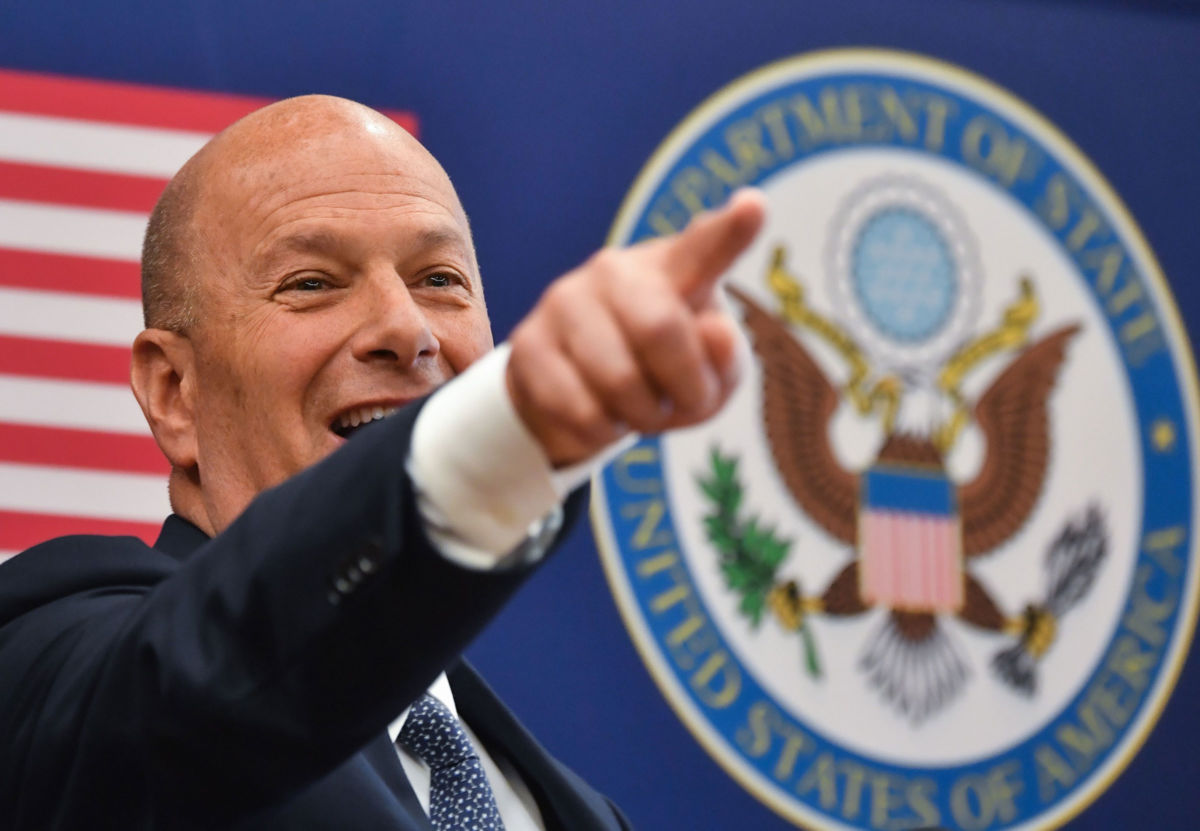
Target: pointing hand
x=633 y=339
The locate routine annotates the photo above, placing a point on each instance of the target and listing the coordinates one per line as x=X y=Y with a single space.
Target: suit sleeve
x=273 y=653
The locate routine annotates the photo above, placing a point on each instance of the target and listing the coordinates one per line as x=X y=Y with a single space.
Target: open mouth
x=350 y=421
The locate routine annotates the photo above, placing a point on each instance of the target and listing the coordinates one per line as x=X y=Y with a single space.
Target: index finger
x=699 y=254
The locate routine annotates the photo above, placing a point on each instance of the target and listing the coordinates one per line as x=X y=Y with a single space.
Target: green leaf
x=752 y=603
x=775 y=550
x=738 y=578
x=709 y=488
x=733 y=501
x=724 y=542
x=725 y=469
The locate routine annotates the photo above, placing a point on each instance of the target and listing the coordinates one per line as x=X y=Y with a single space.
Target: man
x=306 y=273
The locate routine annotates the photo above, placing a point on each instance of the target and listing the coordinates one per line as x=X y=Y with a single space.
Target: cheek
x=285 y=353
x=465 y=339
x=266 y=375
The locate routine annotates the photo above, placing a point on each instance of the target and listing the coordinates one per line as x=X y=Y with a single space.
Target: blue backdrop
x=543 y=113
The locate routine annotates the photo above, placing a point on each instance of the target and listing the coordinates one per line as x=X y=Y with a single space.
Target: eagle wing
x=1013 y=416
x=798 y=403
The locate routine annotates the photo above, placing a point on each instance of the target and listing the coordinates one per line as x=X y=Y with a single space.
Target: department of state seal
x=910 y=575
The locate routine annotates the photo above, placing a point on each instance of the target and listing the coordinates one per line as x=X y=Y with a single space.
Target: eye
x=442 y=279
x=307 y=283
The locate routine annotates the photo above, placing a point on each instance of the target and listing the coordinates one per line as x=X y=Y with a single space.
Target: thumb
x=698 y=255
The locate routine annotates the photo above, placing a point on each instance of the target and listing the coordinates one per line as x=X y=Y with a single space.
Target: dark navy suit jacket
x=247 y=681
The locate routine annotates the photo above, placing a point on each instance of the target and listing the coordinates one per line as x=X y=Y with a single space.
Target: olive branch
x=750 y=552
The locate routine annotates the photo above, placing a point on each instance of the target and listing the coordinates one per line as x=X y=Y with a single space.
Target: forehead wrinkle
x=442 y=231
x=414 y=197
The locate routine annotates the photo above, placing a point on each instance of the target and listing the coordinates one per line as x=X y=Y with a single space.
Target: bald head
x=259 y=151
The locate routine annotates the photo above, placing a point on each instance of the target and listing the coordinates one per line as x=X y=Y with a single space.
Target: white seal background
x=1095 y=459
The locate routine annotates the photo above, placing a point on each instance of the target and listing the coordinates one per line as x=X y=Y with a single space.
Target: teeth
x=363 y=415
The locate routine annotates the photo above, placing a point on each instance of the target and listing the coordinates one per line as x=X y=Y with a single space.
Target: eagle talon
x=1036 y=629
x=1039 y=631
x=791 y=608
x=787 y=602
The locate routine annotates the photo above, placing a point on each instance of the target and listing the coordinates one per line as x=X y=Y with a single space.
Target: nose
x=395 y=328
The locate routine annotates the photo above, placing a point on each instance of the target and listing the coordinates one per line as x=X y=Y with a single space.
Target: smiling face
x=336 y=281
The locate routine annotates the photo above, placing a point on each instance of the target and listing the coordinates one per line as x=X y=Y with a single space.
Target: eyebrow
x=443 y=236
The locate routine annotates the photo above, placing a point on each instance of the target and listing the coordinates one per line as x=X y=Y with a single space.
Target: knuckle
x=694 y=390
x=606 y=261
x=522 y=337
x=559 y=295
x=587 y=422
x=623 y=383
x=661 y=329
x=529 y=345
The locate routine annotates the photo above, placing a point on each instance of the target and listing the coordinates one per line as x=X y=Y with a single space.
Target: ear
x=162 y=374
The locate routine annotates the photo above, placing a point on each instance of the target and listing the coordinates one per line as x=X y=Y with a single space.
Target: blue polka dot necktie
x=460 y=798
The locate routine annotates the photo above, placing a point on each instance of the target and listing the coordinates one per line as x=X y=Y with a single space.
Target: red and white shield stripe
x=911 y=561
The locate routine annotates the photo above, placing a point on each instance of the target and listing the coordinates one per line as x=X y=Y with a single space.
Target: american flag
x=81 y=165
x=910 y=540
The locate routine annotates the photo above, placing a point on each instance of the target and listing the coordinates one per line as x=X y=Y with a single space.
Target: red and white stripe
x=81 y=165
x=911 y=561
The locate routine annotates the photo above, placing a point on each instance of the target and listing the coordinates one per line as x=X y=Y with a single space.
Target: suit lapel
x=382 y=756
x=567 y=803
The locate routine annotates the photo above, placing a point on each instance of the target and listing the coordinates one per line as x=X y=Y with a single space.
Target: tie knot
x=432 y=734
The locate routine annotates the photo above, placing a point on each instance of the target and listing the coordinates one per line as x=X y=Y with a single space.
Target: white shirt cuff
x=484 y=485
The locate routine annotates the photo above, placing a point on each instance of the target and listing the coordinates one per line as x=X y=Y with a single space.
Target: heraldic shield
x=911 y=545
